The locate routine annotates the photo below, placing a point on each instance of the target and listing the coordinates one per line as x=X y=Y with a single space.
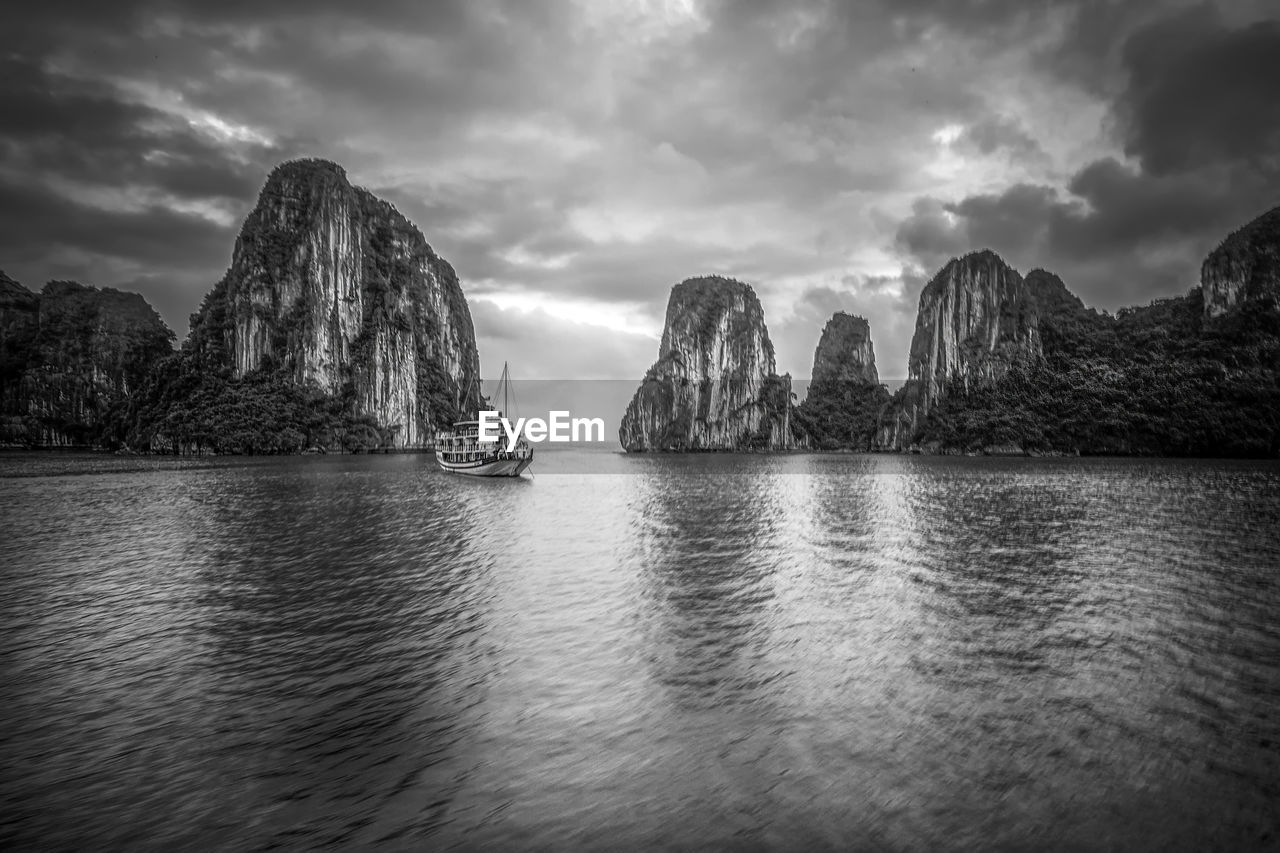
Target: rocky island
x=1005 y=364
x=999 y=363
x=336 y=325
x=71 y=357
x=714 y=385
x=846 y=400
x=977 y=318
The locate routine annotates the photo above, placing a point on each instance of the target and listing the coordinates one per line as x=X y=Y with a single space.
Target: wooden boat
x=460 y=449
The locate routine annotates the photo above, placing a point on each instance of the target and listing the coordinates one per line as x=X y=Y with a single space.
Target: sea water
x=788 y=652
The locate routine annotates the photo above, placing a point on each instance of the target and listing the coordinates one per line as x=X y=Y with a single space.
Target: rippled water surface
x=791 y=652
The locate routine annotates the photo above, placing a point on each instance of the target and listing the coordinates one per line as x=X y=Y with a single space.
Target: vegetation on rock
x=842 y=414
x=271 y=366
x=70 y=359
x=846 y=400
x=184 y=410
x=1157 y=380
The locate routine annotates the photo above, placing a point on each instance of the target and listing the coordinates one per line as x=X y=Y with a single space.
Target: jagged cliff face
x=965 y=316
x=70 y=354
x=844 y=352
x=976 y=318
x=713 y=386
x=335 y=288
x=1245 y=268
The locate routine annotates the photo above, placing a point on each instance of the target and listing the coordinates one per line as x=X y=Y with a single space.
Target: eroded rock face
x=977 y=317
x=1244 y=268
x=68 y=356
x=845 y=399
x=964 y=317
x=844 y=351
x=713 y=386
x=334 y=287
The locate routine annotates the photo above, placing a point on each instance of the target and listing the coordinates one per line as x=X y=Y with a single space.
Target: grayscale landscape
x=645 y=424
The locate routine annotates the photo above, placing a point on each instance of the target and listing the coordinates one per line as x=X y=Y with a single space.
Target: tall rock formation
x=844 y=351
x=977 y=317
x=713 y=386
x=1245 y=267
x=845 y=399
x=1003 y=364
x=332 y=288
x=69 y=357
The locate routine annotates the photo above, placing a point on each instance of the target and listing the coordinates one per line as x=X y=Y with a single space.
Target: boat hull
x=487 y=467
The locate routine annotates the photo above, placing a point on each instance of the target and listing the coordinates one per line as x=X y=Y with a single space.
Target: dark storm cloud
x=1198 y=115
x=81 y=130
x=140 y=133
x=1116 y=237
x=1015 y=217
x=38 y=104
x=1200 y=92
x=1095 y=30
x=95 y=186
x=930 y=236
x=34 y=221
x=1131 y=209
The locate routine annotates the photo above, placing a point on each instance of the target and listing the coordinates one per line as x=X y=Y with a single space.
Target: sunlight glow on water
x=797 y=652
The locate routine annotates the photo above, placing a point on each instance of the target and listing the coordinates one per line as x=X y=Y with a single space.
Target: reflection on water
x=709 y=556
x=790 y=652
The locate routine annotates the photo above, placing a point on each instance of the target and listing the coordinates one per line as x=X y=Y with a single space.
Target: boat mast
x=463 y=403
x=506 y=385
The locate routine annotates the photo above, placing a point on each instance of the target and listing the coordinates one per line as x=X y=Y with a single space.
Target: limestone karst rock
x=977 y=316
x=70 y=356
x=333 y=288
x=1245 y=267
x=714 y=385
x=845 y=399
x=844 y=351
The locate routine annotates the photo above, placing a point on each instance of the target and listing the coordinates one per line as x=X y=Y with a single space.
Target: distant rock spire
x=845 y=352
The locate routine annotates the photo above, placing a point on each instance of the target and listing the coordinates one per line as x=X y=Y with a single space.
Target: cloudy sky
x=574 y=160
